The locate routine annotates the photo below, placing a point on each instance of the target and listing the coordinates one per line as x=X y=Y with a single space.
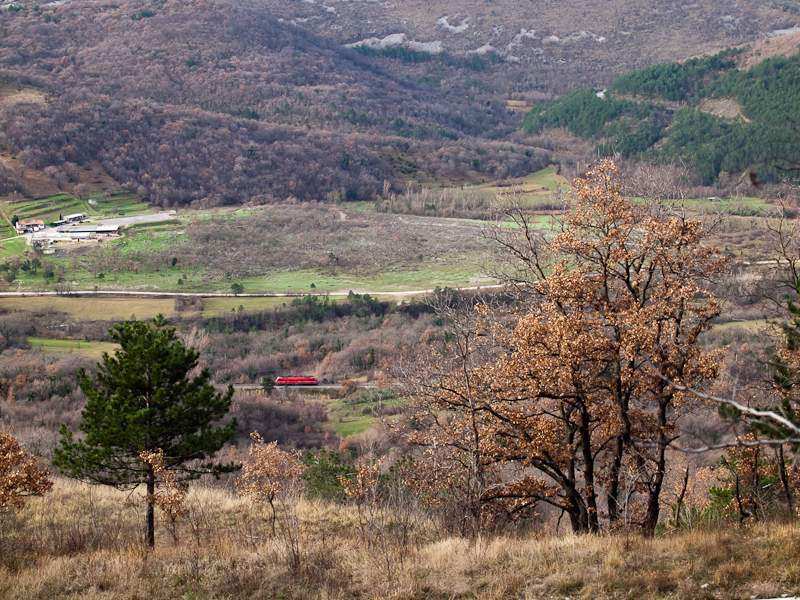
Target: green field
x=48 y=209
x=355 y=414
x=13 y=247
x=216 y=306
x=754 y=326
x=6 y=230
x=741 y=206
x=293 y=282
x=119 y=204
x=90 y=349
x=347 y=427
x=423 y=277
x=155 y=281
x=535 y=190
x=347 y=418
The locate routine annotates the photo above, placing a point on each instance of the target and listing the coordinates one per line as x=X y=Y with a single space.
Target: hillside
x=558 y=45
x=222 y=550
x=212 y=103
x=723 y=115
x=224 y=103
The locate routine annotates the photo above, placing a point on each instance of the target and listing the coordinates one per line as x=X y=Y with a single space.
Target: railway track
x=320 y=386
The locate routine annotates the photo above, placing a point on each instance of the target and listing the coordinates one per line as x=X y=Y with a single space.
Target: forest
x=218 y=105
x=210 y=104
x=668 y=121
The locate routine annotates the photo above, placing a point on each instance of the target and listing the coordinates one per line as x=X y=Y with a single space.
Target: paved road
x=229 y=295
x=15 y=237
x=162 y=216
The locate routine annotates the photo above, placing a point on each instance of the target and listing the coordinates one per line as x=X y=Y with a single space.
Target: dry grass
x=83 y=542
x=90 y=349
x=785 y=45
x=21 y=94
x=215 y=306
x=726 y=108
x=93 y=309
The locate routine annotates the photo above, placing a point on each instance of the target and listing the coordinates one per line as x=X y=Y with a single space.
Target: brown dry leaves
x=170 y=499
x=269 y=473
x=575 y=390
x=20 y=476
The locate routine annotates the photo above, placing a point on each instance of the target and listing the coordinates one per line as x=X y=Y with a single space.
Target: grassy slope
x=94 y=309
x=64 y=546
x=348 y=417
x=737 y=234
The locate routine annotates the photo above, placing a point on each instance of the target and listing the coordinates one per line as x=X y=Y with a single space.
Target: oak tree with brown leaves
x=576 y=391
x=171 y=497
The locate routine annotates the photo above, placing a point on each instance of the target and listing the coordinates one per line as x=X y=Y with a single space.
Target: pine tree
x=786 y=378
x=142 y=399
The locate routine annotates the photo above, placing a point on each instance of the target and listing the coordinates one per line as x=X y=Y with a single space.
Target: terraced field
x=53 y=208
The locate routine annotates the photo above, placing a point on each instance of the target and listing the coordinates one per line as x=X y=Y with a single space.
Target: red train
x=296 y=381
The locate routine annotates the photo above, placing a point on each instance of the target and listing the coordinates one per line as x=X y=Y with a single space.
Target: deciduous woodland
x=519 y=433
x=213 y=103
x=218 y=104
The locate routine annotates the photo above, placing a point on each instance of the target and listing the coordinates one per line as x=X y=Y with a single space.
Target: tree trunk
x=151 y=508
x=679 y=505
x=622 y=439
x=592 y=518
x=787 y=489
x=613 y=488
x=654 y=496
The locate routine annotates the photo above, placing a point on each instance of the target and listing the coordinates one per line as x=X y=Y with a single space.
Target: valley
x=541 y=258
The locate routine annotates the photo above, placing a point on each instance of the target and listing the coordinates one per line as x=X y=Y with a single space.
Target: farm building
x=75 y=217
x=83 y=232
x=29 y=226
x=76 y=233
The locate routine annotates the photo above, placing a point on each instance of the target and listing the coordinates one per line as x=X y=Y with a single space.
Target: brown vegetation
x=217 y=104
x=61 y=545
x=20 y=476
x=569 y=394
x=211 y=103
x=289 y=238
x=537 y=405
